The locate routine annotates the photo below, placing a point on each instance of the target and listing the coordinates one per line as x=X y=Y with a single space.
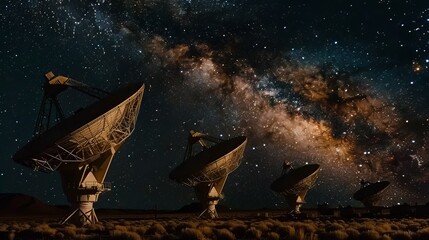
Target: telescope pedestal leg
x=84 y=214
x=211 y=209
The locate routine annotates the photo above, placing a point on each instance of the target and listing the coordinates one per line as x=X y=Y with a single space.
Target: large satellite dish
x=294 y=184
x=81 y=146
x=207 y=170
x=370 y=193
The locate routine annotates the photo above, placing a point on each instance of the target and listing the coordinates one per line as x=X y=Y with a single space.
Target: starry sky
x=340 y=83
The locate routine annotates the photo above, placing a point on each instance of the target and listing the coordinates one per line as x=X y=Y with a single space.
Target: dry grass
x=238 y=229
x=124 y=234
x=369 y=235
x=352 y=233
x=335 y=235
x=207 y=231
x=192 y=234
x=402 y=235
x=224 y=234
x=155 y=229
x=43 y=230
x=423 y=233
x=228 y=229
x=253 y=233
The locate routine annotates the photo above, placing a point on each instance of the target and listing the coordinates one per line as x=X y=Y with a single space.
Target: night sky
x=340 y=83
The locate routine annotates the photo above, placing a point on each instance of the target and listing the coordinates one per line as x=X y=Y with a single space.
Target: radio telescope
x=294 y=184
x=370 y=193
x=81 y=146
x=207 y=170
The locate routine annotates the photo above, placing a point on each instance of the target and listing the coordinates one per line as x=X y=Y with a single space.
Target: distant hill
x=18 y=204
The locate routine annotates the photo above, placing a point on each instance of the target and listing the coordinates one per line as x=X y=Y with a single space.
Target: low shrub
x=366 y=226
x=386 y=227
x=307 y=227
x=123 y=235
x=44 y=230
x=192 y=234
x=204 y=229
x=401 y=235
x=300 y=234
x=272 y=236
x=184 y=225
x=69 y=231
x=286 y=231
x=339 y=235
x=413 y=227
x=224 y=234
x=423 y=233
x=156 y=228
x=385 y=237
x=253 y=233
x=263 y=226
x=352 y=233
x=121 y=228
x=238 y=229
x=207 y=231
x=333 y=227
x=369 y=235
x=140 y=229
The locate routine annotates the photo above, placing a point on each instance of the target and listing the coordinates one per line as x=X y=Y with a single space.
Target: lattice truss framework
x=94 y=138
x=217 y=169
x=303 y=185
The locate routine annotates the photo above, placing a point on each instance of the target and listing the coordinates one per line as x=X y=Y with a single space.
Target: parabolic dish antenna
x=294 y=184
x=81 y=146
x=371 y=193
x=207 y=170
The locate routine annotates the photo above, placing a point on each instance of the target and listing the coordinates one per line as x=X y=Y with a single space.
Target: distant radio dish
x=207 y=170
x=81 y=146
x=370 y=193
x=294 y=184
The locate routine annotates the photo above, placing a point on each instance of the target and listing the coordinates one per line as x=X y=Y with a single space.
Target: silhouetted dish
x=211 y=163
x=85 y=119
x=370 y=190
x=294 y=177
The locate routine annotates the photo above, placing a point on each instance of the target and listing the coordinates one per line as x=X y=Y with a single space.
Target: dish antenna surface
x=81 y=146
x=370 y=193
x=207 y=170
x=294 y=184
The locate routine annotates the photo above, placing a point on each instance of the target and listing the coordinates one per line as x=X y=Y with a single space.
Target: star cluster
x=342 y=84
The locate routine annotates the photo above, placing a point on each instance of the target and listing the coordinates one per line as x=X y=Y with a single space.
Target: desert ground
x=224 y=228
x=25 y=217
